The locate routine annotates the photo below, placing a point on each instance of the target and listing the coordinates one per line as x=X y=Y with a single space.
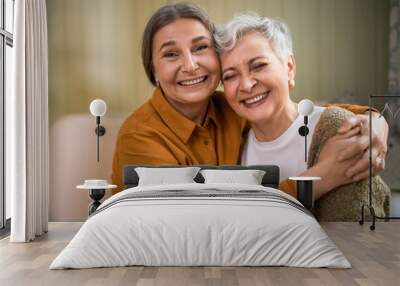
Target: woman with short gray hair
x=275 y=31
x=258 y=71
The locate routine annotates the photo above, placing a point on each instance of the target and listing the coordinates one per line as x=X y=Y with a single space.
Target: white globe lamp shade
x=305 y=107
x=98 y=107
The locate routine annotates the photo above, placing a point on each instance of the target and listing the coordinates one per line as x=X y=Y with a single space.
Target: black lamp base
x=96 y=195
x=100 y=130
x=305 y=193
x=303 y=131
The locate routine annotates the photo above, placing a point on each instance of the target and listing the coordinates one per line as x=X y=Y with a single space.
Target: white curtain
x=27 y=124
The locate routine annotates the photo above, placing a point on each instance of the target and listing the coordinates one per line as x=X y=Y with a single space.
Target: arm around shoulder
x=356 y=109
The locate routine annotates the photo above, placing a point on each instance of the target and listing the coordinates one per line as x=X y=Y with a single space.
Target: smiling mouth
x=192 y=82
x=255 y=99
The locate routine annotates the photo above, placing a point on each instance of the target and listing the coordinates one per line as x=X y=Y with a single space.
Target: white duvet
x=183 y=231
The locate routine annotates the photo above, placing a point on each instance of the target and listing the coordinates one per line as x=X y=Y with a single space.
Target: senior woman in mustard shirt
x=186 y=121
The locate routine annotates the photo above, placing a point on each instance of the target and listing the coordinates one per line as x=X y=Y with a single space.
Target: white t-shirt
x=287 y=151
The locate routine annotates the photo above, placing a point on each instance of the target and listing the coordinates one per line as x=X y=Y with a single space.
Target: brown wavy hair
x=162 y=17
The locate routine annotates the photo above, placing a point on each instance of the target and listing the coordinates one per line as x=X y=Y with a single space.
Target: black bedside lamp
x=97 y=188
x=305 y=108
x=98 y=108
x=304 y=185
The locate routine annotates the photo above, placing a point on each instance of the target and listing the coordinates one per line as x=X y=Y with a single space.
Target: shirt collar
x=179 y=124
x=211 y=114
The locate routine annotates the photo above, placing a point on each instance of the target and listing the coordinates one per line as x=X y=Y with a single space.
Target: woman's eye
x=200 y=48
x=170 y=54
x=228 y=77
x=259 y=66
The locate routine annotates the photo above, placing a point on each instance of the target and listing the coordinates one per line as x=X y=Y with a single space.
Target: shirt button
x=206 y=142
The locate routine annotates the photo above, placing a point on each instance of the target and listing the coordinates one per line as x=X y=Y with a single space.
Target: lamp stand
x=370 y=207
x=100 y=131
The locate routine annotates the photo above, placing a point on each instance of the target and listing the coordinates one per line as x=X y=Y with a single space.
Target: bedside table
x=97 y=190
x=305 y=193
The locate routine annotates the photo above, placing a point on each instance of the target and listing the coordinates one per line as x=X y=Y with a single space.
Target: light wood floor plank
x=374 y=255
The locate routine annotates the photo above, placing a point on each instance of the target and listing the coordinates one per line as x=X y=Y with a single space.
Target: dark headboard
x=270 y=179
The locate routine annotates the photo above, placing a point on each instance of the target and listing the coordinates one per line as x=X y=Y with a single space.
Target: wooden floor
x=375 y=256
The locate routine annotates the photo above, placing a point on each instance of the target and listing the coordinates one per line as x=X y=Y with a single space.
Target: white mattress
x=183 y=231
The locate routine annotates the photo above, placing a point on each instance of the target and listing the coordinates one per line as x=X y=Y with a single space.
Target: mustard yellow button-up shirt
x=157 y=134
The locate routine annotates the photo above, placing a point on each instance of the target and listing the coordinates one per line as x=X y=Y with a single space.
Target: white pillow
x=248 y=177
x=165 y=176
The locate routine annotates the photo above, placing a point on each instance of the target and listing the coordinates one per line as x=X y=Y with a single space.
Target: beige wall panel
x=273 y=8
x=327 y=62
x=56 y=59
x=341 y=49
x=365 y=65
x=311 y=52
x=345 y=43
x=382 y=45
x=217 y=10
x=254 y=6
x=293 y=14
x=87 y=36
x=229 y=8
x=74 y=68
x=142 y=12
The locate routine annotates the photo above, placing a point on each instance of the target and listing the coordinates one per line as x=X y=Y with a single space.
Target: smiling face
x=256 y=81
x=185 y=62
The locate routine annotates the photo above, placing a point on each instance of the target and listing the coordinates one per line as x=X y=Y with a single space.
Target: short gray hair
x=274 y=30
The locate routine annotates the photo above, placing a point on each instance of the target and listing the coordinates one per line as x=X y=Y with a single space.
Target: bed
x=202 y=222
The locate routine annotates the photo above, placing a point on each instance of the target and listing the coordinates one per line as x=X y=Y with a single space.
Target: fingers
x=379 y=164
x=356 y=145
x=379 y=142
x=350 y=123
x=338 y=143
x=352 y=132
x=360 y=170
x=362 y=176
x=359 y=167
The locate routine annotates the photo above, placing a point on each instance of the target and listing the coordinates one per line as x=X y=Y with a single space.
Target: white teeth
x=193 y=81
x=255 y=99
